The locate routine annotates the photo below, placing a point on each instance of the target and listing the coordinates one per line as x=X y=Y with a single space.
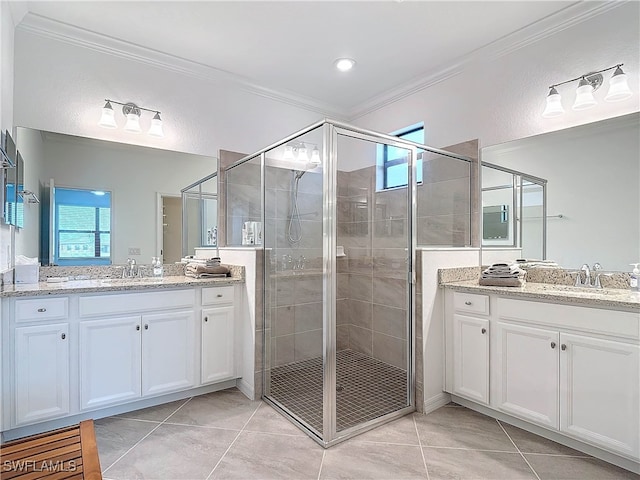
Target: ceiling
x=288 y=48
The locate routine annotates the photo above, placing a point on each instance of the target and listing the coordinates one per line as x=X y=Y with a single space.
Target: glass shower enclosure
x=339 y=274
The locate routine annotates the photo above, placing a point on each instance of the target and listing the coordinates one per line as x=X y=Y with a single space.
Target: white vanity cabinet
x=41 y=356
x=218 y=335
x=88 y=355
x=526 y=371
x=470 y=340
x=570 y=369
x=110 y=367
x=126 y=357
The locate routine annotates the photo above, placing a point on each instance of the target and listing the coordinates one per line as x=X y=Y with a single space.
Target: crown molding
x=532 y=33
x=18 y=11
x=79 y=37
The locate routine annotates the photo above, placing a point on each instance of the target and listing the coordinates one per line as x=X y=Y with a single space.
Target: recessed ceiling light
x=344 y=64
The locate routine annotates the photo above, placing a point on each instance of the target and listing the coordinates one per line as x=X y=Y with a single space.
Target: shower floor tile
x=366 y=389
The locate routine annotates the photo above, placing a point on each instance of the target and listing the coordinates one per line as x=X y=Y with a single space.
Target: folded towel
x=503 y=282
x=502 y=270
x=204 y=275
x=197 y=268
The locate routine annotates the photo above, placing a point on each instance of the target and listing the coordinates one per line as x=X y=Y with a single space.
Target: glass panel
x=294 y=279
x=498 y=211
x=244 y=204
x=443 y=201
x=532 y=220
x=372 y=297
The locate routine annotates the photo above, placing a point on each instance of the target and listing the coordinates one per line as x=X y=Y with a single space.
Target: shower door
x=339 y=287
x=371 y=345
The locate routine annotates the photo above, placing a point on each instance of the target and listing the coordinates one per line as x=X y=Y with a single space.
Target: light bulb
x=554 y=104
x=288 y=152
x=584 y=96
x=315 y=157
x=133 y=123
x=156 y=126
x=302 y=153
x=108 y=119
x=618 y=87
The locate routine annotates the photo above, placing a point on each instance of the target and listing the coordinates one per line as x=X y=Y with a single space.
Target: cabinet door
x=42 y=372
x=471 y=358
x=527 y=369
x=599 y=397
x=109 y=361
x=168 y=349
x=217 y=344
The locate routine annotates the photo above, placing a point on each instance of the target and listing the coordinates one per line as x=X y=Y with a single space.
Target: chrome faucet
x=131 y=270
x=587 y=276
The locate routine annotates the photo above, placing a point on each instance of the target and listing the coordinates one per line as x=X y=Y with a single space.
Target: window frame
x=386 y=164
x=96 y=232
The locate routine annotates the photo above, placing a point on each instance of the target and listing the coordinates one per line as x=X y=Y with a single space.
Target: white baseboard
x=435 y=402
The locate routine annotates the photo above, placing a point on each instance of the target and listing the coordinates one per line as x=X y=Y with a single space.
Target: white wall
x=7 y=30
x=433 y=345
x=501 y=100
x=61 y=88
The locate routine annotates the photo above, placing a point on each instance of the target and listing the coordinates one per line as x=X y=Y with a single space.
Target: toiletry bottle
x=157 y=267
x=635 y=278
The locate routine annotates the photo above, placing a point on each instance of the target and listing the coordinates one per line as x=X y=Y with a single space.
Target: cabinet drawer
x=126 y=303
x=217 y=295
x=41 y=309
x=469 y=302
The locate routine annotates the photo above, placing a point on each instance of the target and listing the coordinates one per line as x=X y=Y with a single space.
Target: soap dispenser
x=635 y=278
x=156 y=264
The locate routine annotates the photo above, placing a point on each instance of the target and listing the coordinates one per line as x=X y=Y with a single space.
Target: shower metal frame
x=331 y=130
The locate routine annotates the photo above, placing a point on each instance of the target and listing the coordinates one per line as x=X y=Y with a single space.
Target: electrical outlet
x=134 y=250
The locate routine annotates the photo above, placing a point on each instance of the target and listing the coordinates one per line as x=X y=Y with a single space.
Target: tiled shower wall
x=372 y=227
x=295 y=275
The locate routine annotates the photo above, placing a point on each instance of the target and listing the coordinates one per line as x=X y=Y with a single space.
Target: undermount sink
x=568 y=289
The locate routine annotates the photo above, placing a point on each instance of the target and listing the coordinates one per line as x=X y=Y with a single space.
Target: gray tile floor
x=224 y=435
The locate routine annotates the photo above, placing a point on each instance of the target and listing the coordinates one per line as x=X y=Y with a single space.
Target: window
x=394 y=160
x=82 y=227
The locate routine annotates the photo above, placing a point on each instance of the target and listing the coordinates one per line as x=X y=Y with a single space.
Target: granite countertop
x=99 y=285
x=587 y=297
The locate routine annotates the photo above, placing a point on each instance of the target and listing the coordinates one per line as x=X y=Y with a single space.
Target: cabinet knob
x=553 y=344
x=467 y=302
x=63 y=336
x=146 y=327
x=563 y=347
x=219 y=295
x=138 y=328
x=484 y=330
x=206 y=319
x=41 y=310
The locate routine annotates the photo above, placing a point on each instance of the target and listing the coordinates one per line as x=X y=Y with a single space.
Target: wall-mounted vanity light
x=589 y=83
x=298 y=151
x=132 y=112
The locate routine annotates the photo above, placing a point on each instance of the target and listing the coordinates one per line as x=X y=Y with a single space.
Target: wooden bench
x=66 y=453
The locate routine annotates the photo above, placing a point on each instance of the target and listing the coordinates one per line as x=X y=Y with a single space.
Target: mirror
x=200 y=214
x=9 y=179
x=138 y=178
x=593 y=202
